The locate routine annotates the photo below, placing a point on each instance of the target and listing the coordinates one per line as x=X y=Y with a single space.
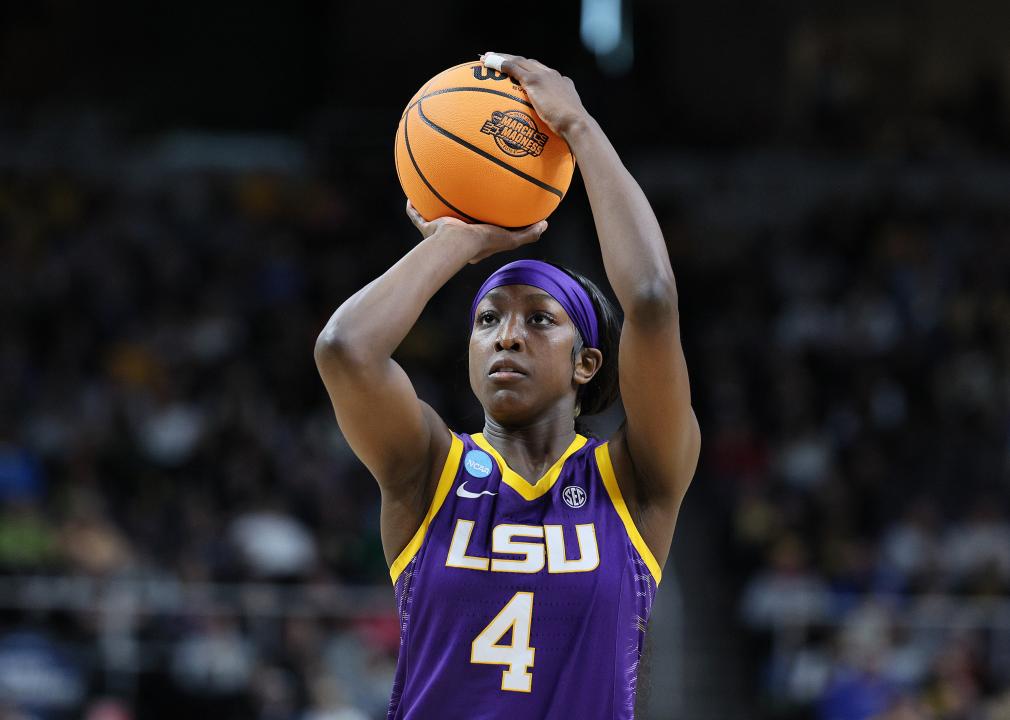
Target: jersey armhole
x=445 y=481
x=614 y=491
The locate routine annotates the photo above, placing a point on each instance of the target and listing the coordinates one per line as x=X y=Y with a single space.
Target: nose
x=511 y=333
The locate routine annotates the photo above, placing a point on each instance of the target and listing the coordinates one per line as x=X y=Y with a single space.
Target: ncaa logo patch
x=477 y=463
x=574 y=496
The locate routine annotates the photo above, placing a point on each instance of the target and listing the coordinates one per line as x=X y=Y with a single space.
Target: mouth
x=505 y=370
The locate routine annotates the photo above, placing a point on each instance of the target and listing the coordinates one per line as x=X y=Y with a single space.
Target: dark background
x=188 y=190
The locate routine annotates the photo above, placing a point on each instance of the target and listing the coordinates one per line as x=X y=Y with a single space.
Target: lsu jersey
x=522 y=600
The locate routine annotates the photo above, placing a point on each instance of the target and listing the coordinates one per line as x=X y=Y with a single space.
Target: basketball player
x=525 y=557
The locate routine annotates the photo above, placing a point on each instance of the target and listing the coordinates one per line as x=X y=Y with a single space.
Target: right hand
x=487 y=239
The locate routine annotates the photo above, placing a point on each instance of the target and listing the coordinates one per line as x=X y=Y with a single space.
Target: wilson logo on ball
x=485 y=73
x=515 y=133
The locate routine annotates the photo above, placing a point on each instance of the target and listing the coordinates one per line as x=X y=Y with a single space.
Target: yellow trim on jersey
x=445 y=482
x=614 y=491
x=517 y=482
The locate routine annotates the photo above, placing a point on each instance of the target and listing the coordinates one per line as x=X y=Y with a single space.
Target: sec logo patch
x=574 y=496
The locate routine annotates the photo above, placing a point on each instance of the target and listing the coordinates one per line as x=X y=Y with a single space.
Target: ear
x=587 y=364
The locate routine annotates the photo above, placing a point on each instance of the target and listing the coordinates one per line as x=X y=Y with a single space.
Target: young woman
x=525 y=558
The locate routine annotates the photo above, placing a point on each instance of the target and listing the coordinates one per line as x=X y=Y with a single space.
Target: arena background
x=188 y=190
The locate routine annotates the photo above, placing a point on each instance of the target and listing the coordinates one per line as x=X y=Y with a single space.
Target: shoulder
x=412 y=494
x=406 y=505
x=625 y=472
x=654 y=519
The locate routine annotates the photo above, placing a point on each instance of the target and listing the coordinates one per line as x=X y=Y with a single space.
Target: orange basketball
x=470 y=146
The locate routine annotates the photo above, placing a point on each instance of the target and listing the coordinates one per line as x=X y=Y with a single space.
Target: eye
x=486 y=318
x=541 y=318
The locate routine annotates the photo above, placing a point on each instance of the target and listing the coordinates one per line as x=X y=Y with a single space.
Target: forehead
x=506 y=294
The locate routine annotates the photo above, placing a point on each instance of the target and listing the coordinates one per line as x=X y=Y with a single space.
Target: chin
x=508 y=408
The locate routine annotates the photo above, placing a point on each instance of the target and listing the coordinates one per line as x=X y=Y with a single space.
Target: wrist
x=578 y=128
x=457 y=242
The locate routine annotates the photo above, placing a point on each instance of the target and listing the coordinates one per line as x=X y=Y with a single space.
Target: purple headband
x=555 y=282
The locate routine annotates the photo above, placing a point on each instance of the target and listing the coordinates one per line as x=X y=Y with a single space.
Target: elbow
x=329 y=349
x=329 y=345
x=654 y=302
x=335 y=348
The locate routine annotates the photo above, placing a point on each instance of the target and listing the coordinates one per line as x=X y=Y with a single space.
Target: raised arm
x=397 y=436
x=661 y=437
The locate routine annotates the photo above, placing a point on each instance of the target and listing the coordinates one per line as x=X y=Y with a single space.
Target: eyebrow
x=499 y=295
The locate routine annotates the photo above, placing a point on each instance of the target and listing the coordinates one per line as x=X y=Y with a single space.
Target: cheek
x=476 y=356
x=560 y=359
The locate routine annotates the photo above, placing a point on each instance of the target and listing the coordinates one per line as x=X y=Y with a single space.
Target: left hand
x=484 y=240
x=553 y=95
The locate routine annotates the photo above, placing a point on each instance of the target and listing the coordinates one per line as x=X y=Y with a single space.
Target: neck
x=531 y=449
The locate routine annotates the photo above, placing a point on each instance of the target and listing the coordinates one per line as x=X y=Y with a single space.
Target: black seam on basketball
x=396 y=158
x=489 y=91
x=406 y=141
x=396 y=155
x=469 y=146
x=428 y=84
x=473 y=89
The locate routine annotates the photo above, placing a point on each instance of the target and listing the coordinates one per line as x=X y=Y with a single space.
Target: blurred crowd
x=162 y=421
x=854 y=367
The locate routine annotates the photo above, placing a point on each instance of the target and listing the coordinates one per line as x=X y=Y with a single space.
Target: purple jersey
x=519 y=600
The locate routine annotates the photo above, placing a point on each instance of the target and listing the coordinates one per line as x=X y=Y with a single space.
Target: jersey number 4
x=517 y=615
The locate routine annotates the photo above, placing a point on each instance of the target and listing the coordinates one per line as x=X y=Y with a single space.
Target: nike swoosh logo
x=464 y=493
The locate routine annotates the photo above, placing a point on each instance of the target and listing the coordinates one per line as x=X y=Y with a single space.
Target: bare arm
x=661 y=436
x=397 y=436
